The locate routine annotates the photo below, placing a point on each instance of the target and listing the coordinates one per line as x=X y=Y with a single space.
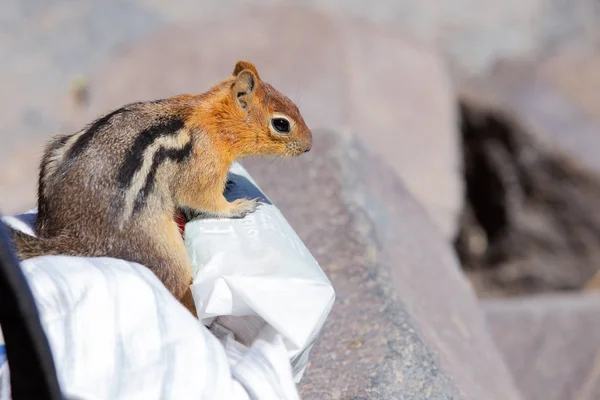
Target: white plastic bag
x=257 y=276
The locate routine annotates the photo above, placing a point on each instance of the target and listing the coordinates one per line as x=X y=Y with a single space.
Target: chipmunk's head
x=267 y=121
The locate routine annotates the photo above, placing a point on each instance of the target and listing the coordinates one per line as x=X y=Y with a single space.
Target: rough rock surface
x=551 y=344
x=405 y=324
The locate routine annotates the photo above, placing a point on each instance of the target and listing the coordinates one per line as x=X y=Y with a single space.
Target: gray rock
x=405 y=324
x=550 y=343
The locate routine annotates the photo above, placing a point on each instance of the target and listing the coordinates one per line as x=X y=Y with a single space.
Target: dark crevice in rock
x=531 y=221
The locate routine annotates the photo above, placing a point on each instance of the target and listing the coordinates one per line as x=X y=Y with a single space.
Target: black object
x=32 y=372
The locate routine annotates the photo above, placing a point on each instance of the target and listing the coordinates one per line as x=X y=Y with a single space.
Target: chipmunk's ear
x=242 y=65
x=244 y=87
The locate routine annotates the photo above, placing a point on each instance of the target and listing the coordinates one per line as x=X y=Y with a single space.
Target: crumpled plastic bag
x=254 y=277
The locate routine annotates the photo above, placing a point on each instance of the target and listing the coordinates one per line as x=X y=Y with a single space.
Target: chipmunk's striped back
x=115 y=161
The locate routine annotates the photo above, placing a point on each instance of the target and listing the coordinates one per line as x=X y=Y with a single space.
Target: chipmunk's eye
x=281 y=125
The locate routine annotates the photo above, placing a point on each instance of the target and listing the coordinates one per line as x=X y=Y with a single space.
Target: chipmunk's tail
x=27 y=246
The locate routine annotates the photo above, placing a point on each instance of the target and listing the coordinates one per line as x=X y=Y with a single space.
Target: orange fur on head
x=241 y=115
x=242 y=65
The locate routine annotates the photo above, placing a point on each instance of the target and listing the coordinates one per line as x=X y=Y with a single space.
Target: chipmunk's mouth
x=298 y=148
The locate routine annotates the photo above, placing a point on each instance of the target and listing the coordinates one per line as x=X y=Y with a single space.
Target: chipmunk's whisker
x=278 y=156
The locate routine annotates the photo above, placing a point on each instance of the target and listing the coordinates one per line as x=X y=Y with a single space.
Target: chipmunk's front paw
x=241 y=207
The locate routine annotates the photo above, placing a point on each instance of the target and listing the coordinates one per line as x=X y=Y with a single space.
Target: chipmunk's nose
x=308 y=144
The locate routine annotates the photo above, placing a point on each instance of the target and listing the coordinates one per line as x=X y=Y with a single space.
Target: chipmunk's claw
x=241 y=207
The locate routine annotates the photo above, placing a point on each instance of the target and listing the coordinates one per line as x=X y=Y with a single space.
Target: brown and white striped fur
x=113 y=188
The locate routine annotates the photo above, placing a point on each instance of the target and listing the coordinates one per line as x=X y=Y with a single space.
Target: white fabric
x=117 y=333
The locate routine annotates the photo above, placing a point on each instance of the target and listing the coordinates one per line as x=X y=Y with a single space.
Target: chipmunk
x=112 y=189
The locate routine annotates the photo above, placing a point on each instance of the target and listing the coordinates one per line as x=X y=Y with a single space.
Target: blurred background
x=487 y=111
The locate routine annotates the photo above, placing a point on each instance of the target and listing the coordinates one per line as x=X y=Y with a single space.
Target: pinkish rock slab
x=551 y=344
